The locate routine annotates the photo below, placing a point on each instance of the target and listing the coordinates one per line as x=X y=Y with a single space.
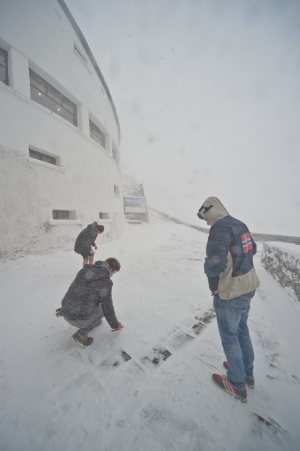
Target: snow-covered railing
x=282 y=261
x=262 y=237
x=178 y=221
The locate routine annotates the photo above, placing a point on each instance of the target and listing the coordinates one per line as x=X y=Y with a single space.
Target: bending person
x=86 y=240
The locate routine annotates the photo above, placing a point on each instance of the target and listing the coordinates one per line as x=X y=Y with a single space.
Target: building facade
x=59 y=133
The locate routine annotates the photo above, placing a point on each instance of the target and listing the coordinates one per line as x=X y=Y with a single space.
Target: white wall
x=34 y=37
x=32 y=27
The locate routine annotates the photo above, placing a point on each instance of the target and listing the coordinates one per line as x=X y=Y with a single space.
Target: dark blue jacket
x=228 y=235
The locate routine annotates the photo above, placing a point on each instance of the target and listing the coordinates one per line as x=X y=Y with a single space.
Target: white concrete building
x=59 y=133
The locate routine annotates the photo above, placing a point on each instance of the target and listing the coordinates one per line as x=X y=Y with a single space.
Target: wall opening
x=3 y=66
x=42 y=157
x=103 y=215
x=64 y=215
x=42 y=92
x=79 y=53
x=96 y=134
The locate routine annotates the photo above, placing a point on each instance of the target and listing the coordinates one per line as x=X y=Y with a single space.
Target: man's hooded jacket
x=230 y=249
x=91 y=287
x=86 y=239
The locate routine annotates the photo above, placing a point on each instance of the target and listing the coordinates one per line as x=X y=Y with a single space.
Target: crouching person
x=89 y=299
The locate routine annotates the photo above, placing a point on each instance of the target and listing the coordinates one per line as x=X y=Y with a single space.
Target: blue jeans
x=232 y=316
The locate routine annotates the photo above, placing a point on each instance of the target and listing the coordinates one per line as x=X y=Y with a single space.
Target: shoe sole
x=247 y=383
x=231 y=393
x=81 y=344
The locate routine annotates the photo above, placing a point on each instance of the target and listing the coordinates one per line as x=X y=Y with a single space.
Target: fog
x=207 y=94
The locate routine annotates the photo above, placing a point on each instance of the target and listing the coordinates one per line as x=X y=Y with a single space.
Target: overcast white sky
x=207 y=94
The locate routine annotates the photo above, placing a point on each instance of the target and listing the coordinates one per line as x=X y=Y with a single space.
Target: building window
x=64 y=215
x=117 y=190
x=3 y=66
x=79 y=53
x=104 y=215
x=42 y=92
x=61 y=214
x=42 y=157
x=96 y=134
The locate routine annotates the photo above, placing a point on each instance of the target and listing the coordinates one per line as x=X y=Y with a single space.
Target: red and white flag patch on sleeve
x=247 y=243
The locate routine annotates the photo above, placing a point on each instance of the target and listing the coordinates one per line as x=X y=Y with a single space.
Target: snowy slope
x=56 y=395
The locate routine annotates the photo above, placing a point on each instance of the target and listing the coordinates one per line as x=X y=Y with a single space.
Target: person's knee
x=229 y=340
x=243 y=333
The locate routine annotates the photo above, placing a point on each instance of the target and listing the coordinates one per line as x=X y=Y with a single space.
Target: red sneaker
x=223 y=383
x=249 y=382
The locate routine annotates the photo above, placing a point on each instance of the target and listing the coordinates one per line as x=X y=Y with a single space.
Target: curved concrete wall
x=87 y=180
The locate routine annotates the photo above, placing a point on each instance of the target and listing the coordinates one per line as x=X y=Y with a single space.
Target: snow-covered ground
x=56 y=395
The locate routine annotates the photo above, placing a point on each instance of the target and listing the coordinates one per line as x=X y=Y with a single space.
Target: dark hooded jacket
x=86 y=239
x=91 y=287
x=230 y=249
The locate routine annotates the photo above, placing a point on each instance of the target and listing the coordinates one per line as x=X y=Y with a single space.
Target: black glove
x=58 y=312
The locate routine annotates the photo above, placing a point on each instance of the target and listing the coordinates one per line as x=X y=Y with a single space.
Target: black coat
x=86 y=239
x=91 y=287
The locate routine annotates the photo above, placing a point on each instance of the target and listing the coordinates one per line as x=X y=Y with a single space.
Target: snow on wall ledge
x=282 y=261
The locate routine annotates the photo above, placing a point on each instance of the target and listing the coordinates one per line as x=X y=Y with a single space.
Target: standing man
x=89 y=299
x=86 y=240
x=232 y=280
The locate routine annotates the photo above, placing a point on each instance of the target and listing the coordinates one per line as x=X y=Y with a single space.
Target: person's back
x=89 y=298
x=232 y=280
x=230 y=249
x=86 y=238
x=83 y=295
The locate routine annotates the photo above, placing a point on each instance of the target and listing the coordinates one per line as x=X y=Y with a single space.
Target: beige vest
x=232 y=287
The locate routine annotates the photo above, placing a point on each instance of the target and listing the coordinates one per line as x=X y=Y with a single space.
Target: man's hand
x=58 y=312
x=216 y=292
x=120 y=326
x=95 y=247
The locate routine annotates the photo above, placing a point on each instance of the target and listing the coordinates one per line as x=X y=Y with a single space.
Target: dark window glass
x=69 y=106
x=96 y=134
x=43 y=93
x=41 y=156
x=38 y=82
x=3 y=66
x=54 y=94
x=60 y=214
x=137 y=202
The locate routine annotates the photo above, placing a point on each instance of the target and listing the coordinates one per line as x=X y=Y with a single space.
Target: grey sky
x=207 y=93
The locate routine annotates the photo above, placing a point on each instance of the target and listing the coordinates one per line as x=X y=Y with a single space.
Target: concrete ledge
x=282 y=261
x=47 y=165
x=178 y=221
x=263 y=237
x=281 y=238
x=58 y=222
